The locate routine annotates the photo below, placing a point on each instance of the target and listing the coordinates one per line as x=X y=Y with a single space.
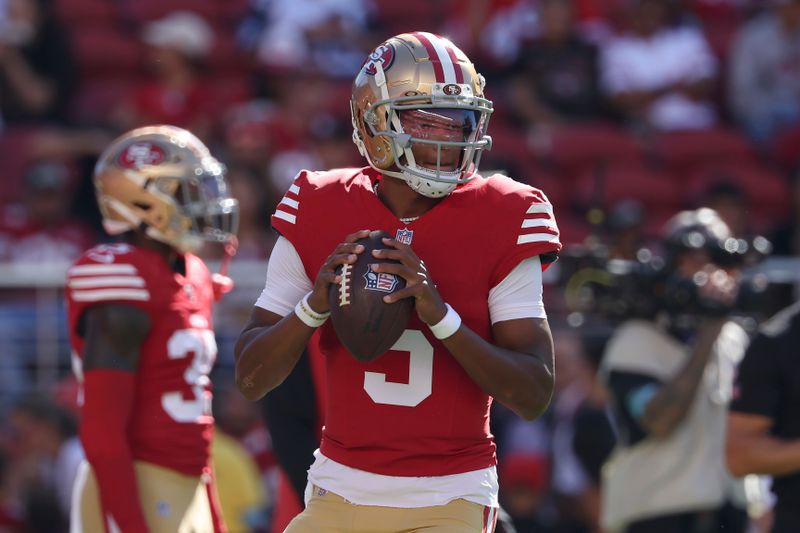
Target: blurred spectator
x=763 y=434
x=556 y=75
x=657 y=75
x=254 y=235
x=46 y=454
x=37 y=71
x=242 y=497
x=523 y=487
x=764 y=84
x=582 y=434
x=40 y=229
x=175 y=93
x=786 y=237
x=492 y=29
x=728 y=199
x=625 y=230
x=241 y=420
x=326 y=35
x=670 y=380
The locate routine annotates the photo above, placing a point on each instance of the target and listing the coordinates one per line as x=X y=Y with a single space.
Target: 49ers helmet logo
x=451 y=89
x=384 y=55
x=140 y=155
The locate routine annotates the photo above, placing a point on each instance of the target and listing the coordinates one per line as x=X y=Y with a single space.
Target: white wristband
x=448 y=325
x=308 y=316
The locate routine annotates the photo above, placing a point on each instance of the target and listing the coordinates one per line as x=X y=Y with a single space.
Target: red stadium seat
x=767 y=192
x=785 y=149
x=79 y=14
x=226 y=57
x=604 y=187
x=682 y=150
x=104 y=52
x=549 y=184
x=97 y=99
x=228 y=91
x=14 y=153
x=147 y=10
x=578 y=147
x=410 y=15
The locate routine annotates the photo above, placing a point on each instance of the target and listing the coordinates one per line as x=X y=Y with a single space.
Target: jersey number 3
x=420 y=373
x=201 y=345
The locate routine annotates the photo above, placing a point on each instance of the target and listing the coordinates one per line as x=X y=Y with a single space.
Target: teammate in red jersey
x=140 y=327
x=406 y=443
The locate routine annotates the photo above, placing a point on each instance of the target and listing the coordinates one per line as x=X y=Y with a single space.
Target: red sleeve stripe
x=98 y=270
x=106 y=281
x=99 y=295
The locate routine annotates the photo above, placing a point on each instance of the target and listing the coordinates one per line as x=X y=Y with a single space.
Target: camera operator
x=763 y=426
x=670 y=378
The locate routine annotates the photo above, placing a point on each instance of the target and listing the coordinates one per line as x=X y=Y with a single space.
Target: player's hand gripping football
x=345 y=253
x=427 y=300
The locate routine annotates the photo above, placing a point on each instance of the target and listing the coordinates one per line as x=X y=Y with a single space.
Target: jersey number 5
x=201 y=344
x=420 y=373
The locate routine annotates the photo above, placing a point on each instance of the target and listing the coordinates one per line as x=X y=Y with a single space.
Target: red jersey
x=171 y=425
x=414 y=411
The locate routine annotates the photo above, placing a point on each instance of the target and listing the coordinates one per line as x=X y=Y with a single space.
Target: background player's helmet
x=162 y=180
x=419 y=73
x=703 y=229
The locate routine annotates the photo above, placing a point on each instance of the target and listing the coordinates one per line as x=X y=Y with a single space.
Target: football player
x=142 y=337
x=406 y=444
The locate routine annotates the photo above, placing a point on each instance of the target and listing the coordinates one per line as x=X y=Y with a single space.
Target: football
x=365 y=324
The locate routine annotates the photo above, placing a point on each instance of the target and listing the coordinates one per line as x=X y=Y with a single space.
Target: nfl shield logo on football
x=379 y=281
x=404 y=235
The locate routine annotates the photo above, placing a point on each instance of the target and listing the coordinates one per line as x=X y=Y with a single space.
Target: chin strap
x=221 y=282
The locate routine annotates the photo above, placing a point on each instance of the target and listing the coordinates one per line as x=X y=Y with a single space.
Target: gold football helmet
x=419 y=113
x=164 y=181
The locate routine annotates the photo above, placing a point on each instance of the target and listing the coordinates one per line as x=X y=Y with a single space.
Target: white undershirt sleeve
x=287 y=281
x=520 y=294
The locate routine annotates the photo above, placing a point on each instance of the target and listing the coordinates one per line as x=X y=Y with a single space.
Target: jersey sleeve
x=289 y=217
x=528 y=228
x=106 y=274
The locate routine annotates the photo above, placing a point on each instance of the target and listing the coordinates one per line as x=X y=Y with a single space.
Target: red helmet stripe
x=438 y=71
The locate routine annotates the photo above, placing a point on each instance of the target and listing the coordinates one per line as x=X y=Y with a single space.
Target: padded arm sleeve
x=108 y=404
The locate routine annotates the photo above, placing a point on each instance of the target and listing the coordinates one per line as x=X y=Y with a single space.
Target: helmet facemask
x=204 y=212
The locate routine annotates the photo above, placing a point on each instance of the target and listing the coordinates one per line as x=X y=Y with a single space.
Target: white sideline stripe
x=107 y=281
x=537 y=237
x=294 y=188
x=92 y=270
x=97 y=295
x=285 y=216
x=290 y=202
x=444 y=58
x=541 y=208
x=539 y=223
